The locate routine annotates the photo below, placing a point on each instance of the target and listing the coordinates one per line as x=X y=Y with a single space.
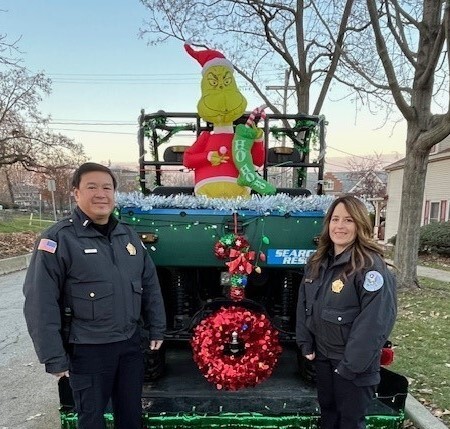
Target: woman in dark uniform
x=345 y=313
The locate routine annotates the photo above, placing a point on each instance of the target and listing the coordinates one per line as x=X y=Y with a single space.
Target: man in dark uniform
x=97 y=269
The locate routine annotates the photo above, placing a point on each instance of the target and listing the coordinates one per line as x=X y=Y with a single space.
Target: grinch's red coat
x=196 y=158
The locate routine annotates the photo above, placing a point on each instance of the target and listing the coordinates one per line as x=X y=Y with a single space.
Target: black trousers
x=343 y=405
x=99 y=372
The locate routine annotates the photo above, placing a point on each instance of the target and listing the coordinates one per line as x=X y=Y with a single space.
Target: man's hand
x=311 y=356
x=155 y=344
x=59 y=375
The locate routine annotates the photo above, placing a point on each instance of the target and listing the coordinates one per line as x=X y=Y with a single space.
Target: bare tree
x=262 y=38
x=24 y=134
x=59 y=167
x=401 y=64
x=9 y=176
x=9 y=51
x=368 y=174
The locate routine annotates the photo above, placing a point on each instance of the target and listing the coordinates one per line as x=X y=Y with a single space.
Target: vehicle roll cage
x=298 y=134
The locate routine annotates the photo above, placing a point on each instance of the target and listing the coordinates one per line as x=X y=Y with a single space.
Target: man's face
x=95 y=196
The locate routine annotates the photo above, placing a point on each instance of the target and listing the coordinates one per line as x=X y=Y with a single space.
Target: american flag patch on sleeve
x=47 y=245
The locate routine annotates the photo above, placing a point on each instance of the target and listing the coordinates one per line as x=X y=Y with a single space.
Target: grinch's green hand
x=258 y=132
x=215 y=158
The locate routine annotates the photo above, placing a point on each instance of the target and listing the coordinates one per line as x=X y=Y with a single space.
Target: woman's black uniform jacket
x=347 y=320
x=106 y=282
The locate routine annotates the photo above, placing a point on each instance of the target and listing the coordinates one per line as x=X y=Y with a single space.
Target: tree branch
x=401 y=103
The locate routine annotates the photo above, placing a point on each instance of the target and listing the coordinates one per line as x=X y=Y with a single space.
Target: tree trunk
x=407 y=242
x=10 y=187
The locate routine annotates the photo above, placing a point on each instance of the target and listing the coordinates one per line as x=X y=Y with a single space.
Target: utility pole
x=51 y=186
x=284 y=88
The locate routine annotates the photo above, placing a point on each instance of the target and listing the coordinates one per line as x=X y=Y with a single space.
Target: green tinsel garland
x=236 y=421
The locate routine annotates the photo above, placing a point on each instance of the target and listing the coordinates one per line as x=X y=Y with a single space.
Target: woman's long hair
x=363 y=244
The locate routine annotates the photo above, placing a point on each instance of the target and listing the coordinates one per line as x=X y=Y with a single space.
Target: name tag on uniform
x=90 y=250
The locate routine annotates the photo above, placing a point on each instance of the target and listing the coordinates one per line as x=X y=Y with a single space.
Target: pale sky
x=104 y=74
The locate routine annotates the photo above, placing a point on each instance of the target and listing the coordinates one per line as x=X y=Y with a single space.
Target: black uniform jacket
x=347 y=320
x=109 y=282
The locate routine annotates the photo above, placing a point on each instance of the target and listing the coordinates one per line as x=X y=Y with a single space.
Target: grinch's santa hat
x=208 y=58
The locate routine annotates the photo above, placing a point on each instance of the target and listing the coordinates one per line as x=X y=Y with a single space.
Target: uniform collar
x=341 y=259
x=84 y=224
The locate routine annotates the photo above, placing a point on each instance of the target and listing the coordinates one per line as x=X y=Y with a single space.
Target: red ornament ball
x=221 y=251
x=240 y=242
x=237 y=293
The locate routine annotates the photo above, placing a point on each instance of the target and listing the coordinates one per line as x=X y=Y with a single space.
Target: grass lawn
x=22 y=223
x=422 y=339
x=435 y=262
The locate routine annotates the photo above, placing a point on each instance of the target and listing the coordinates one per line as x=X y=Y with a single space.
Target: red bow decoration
x=241 y=263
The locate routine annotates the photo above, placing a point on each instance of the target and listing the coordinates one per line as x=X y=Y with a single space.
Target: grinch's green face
x=221 y=102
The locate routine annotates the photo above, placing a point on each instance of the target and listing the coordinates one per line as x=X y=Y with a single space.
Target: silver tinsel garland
x=264 y=204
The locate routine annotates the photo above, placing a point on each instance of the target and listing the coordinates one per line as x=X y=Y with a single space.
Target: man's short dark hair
x=88 y=167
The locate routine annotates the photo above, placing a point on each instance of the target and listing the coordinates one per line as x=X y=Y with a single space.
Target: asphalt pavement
x=28 y=395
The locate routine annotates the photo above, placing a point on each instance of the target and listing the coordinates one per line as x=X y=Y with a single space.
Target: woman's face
x=342 y=229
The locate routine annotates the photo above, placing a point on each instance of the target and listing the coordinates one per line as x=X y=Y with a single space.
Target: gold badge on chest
x=131 y=249
x=337 y=286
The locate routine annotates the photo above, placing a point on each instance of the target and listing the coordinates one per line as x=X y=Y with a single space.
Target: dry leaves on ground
x=16 y=243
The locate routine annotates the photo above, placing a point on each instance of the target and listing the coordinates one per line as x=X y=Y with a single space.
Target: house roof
x=438 y=156
x=349 y=181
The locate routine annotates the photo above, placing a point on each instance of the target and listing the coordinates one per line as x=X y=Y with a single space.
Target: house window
x=328 y=185
x=435 y=210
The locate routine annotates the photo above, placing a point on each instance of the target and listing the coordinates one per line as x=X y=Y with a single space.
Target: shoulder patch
x=47 y=245
x=373 y=281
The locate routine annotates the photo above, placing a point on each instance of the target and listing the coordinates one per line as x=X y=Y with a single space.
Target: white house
x=436 y=199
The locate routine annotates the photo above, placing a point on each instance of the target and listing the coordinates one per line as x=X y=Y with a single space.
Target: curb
x=420 y=416
x=16 y=263
x=414 y=410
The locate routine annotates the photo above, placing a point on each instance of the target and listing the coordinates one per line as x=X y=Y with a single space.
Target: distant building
x=369 y=184
x=26 y=196
x=436 y=198
x=127 y=179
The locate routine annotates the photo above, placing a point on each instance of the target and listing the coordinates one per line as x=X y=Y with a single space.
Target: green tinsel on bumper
x=235 y=421
x=69 y=420
x=231 y=421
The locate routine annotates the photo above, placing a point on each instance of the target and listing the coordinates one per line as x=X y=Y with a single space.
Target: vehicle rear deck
x=182 y=398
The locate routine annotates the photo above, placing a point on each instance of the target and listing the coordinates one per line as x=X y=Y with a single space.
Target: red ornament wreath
x=235 y=348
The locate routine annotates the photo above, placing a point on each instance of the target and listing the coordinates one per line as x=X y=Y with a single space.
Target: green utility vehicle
x=195 y=242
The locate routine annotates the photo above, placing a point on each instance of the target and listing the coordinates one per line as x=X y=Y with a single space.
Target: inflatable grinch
x=223 y=161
